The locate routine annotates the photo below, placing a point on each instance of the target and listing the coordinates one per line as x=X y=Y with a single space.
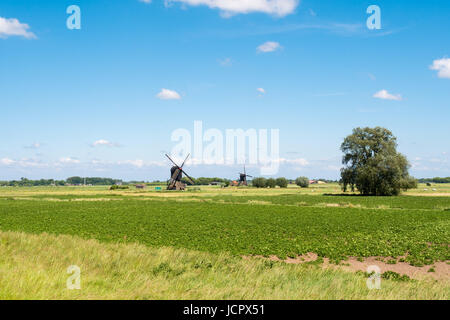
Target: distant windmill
x=243 y=178
x=176 y=174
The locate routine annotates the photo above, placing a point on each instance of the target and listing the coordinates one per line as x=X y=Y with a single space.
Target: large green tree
x=373 y=165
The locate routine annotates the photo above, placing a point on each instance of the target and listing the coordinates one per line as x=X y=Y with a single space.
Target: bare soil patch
x=441 y=270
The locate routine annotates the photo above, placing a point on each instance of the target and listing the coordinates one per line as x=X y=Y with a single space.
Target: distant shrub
x=116 y=187
x=282 y=182
x=271 y=183
x=302 y=182
x=259 y=182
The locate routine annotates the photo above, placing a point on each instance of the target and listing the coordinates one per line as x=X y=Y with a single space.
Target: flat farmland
x=255 y=226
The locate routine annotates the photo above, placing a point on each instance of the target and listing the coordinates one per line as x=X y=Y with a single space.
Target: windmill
x=243 y=178
x=176 y=174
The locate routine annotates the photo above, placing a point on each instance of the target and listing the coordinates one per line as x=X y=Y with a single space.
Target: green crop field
x=239 y=224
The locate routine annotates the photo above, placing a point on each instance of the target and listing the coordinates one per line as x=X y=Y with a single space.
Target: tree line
x=95 y=181
x=435 y=180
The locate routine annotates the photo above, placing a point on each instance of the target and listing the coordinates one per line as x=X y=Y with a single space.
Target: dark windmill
x=243 y=178
x=176 y=174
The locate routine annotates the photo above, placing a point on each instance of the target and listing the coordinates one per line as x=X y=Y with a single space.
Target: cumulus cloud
x=261 y=90
x=269 y=46
x=385 y=95
x=13 y=27
x=442 y=66
x=166 y=94
x=103 y=142
x=229 y=8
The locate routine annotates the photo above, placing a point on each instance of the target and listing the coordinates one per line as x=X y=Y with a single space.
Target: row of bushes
x=280 y=182
x=269 y=183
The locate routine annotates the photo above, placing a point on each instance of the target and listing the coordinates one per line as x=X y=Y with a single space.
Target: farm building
x=316 y=182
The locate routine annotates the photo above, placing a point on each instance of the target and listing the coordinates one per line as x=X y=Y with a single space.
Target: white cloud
x=7 y=161
x=103 y=142
x=269 y=46
x=261 y=90
x=141 y=163
x=229 y=8
x=24 y=163
x=136 y=163
x=12 y=27
x=33 y=163
x=68 y=160
x=146 y=1
x=166 y=94
x=298 y=162
x=442 y=66
x=385 y=95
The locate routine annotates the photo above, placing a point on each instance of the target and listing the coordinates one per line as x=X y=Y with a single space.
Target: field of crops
x=240 y=222
x=285 y=225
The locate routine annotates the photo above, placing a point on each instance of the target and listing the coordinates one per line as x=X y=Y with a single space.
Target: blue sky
x=85 y=102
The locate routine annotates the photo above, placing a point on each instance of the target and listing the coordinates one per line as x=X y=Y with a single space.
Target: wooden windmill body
x=176 y=174
x=243 y=178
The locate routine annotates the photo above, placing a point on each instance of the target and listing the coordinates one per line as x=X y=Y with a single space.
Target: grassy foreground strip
x=34 y=267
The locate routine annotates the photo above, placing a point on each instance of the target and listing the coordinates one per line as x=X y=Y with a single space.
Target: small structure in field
x=317 y=182
x=140 y=186
x=234 y=183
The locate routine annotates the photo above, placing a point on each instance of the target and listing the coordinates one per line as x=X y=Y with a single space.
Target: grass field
x=163 y=245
